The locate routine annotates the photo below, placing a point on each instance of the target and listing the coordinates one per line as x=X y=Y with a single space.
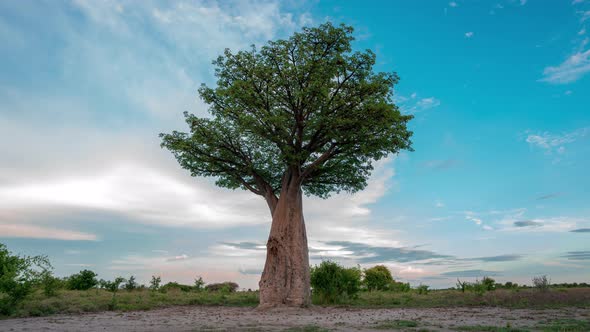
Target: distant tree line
x=22 y=275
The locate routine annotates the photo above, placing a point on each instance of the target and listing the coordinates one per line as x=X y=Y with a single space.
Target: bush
x=332 y=282
x=377 y=278
x=541 y=283
x=50 y=284
x=155 y=283
x=17 y=277
x=422 y=289
x=199 y=284
x=488 y=283
x=510 y=285
x=227 y=287
x=84 y=280
x=131 y=284
x=399 y=286
x=113 y=287
x=462 y=285
x=175 y=285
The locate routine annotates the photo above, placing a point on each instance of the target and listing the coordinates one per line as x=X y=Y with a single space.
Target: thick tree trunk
x=285 y=279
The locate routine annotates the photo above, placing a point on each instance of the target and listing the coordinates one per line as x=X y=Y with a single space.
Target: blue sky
x=497 y=184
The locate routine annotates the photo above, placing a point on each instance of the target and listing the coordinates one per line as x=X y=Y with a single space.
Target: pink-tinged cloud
x=39 y=232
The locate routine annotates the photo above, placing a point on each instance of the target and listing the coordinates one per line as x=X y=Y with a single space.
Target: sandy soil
x=197 y=318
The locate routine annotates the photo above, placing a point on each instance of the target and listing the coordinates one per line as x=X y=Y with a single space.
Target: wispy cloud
x=499 y=258
x=364 y=253
x=581 y=230
x=549 y=196
x=556 y=142
x=472 y=273
x=441 y=164
x=8 y=230
x=573 y=68
x=414 y=104
x=469 y=34
x=553 y=224
x=527 y=223
x=577 y=255
x=178 y=258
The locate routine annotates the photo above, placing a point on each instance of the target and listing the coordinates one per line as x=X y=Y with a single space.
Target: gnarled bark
x=285 y=279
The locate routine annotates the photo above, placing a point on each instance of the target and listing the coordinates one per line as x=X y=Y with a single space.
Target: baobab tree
x=305 y=115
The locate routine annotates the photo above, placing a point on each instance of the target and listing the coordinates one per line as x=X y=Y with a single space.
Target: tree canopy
x=308 y=104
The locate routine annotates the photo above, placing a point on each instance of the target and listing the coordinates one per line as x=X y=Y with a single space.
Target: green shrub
x=488 y=283
x=510 y=285
x=462 y=285
x=332 y=282
x=131 y=284
x=377 y=278
x=225 y=287
x=199 y=284
x=397 y=286
x=422 y=289
x=50 y=284
x=18 y=275
x=155 y=283
x=84 y=280
x=175 y=285
x=113 y=287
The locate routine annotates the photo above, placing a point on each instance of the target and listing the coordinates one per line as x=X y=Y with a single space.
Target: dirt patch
x=196 y=318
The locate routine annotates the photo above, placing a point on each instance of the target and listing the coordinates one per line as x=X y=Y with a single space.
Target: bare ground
x=197 y=318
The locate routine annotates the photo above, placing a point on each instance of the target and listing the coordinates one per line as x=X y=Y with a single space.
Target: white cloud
x=413 y=104
x=142 y=194
x=453 y=4
x=582 y=32
x=553 y=142
x=439 y=204
x=178 y=258
x=572 y=69
x=427 y=103
x=523 y=2
x=469 y=34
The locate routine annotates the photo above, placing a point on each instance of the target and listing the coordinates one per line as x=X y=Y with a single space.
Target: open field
x=176 y=310
x=208 y=318
x=97 y=300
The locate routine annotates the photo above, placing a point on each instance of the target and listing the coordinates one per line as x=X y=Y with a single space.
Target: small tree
x=378 y=278
x=462 y=285
x=488 y=283
x=300 y=115
x=199 y=284
x=541 y=283
x=84 y=280
x=131 y=284
x=155 y=283
x=113 y=287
